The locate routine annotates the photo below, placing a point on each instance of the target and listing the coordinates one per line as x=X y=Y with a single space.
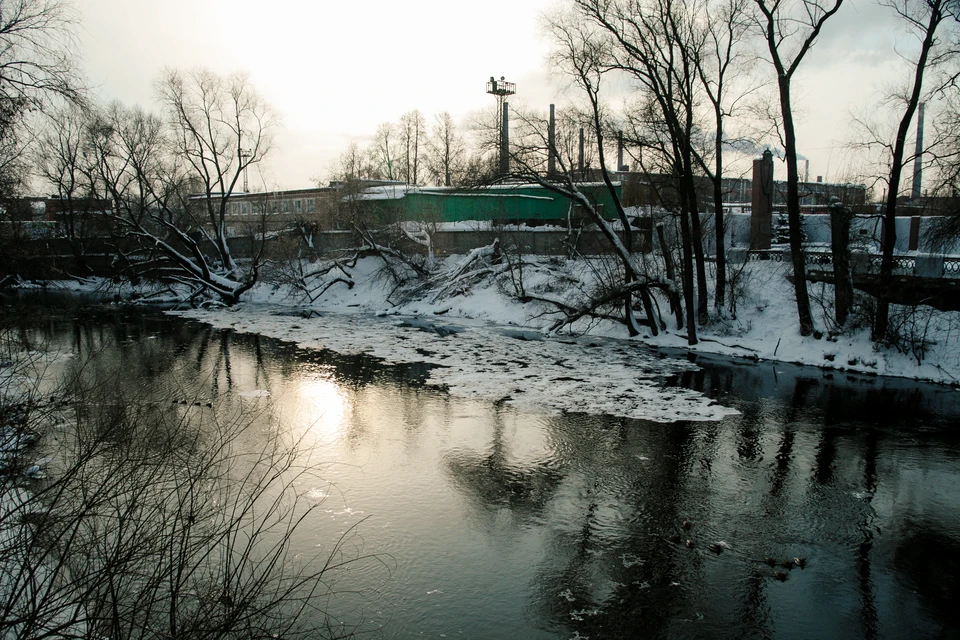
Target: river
x=495 y=521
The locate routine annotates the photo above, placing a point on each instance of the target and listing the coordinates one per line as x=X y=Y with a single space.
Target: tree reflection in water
x=857 y=475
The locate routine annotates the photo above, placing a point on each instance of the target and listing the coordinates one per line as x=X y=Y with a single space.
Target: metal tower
x=244 y=157
x=501 y=88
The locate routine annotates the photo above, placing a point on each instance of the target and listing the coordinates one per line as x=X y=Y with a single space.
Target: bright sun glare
x=322 y=405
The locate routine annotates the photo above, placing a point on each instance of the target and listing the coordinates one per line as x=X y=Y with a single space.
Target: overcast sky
x=335 y=70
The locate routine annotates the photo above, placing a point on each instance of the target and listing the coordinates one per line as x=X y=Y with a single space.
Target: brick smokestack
x=761 y=211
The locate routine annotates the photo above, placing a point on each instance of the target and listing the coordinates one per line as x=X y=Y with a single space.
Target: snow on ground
x=765 y=327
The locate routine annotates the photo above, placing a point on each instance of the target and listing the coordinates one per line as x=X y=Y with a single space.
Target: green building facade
x=526 y=204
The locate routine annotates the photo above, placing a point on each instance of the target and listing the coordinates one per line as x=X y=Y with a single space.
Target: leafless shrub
x=160 y=519
x=909 y=330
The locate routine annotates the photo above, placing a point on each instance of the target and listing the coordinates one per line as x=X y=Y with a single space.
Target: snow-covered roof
x=383 y=192
x=474 y=194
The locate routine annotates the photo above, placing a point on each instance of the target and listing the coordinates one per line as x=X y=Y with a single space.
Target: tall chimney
x=619 y=150
x=915 y=192
x=505 y=141
x=552 y=144
x=580 y=157
x=761 y=211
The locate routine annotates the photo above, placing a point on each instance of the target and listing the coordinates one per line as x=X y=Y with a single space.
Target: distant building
x=385 y=200
x=56 y=208
x=286 y=204
x=641 y=189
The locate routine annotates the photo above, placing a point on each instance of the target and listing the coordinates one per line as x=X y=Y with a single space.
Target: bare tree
x=353 y=164
x=37 y=50
x=413 y=132
x=130 y=154
x=384 y=152
x=63 y=163
x=446 y=151
x=654 y=43
x=718 y=64
x=148 y=192
x=924 y=19
x=584 y=57
x=790 y=30
x=219 y=127
x=484 y=127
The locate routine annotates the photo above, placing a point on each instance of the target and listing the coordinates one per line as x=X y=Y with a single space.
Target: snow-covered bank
x=765 y=327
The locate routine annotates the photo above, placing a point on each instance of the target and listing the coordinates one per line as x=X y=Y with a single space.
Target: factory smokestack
x=505 y=141
x=580 y=156
x=761 y=216
x=915 y=192
x=552 y=144
x=620 y=151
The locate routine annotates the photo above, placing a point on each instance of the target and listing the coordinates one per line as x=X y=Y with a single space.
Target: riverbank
x=763 y=325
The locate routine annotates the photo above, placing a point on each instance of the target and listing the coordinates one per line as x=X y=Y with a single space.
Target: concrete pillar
x=914 y=233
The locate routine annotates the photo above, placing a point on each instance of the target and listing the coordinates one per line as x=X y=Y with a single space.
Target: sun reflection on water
x=321 y=406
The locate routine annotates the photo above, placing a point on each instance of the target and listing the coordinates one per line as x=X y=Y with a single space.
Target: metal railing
x=823 y=260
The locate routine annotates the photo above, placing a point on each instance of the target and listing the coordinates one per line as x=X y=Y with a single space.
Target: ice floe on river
x=523 y=368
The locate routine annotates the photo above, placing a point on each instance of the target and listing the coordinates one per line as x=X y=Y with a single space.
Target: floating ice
x=543 y=375
x=578 y=615
x=630 y=560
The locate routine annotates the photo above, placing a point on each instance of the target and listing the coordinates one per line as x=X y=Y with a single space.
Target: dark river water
x=494 y=523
